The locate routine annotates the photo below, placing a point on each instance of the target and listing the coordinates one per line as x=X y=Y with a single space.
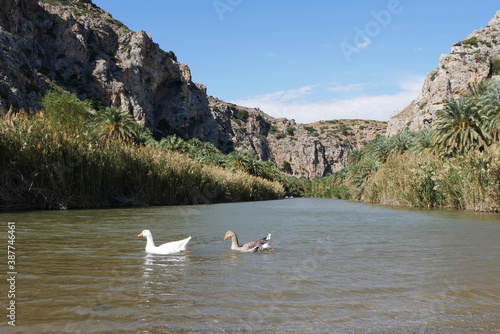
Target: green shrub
x=309 y=129
x=434 y=75
x=470 y=42
x=241 y=114
x=340 y=192
x=287 y=168
x=171 y=55
x=273 y=129
x=280 y=135
x=66 y=108
x=495 y=67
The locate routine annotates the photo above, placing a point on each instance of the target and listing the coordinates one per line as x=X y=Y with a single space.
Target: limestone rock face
x=470 y=61
x=81 y=48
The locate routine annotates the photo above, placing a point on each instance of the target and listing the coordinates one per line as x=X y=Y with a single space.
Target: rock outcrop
x=470 y=61
x=304 y=150
x=83 y=49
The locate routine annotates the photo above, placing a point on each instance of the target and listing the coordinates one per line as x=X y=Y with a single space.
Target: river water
x=337 y=267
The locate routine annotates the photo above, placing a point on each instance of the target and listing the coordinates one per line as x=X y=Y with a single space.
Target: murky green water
x=338 y=267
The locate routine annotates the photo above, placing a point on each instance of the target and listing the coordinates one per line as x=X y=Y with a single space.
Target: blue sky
x=308 y=60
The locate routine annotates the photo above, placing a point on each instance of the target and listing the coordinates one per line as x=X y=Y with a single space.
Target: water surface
x=338 y=267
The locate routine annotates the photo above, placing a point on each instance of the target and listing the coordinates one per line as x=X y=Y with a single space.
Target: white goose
x=253 y=246
x=167 y=248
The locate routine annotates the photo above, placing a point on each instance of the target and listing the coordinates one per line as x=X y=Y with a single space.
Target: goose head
x=145 y=233
x=229 y=234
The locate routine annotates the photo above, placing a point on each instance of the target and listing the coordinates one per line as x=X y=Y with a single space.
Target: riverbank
x=422 y=179
x=46 y=165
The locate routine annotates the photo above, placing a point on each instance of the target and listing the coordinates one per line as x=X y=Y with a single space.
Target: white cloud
x=349 y=88
x=285 y=96
x=292 y=105
x=412 y=82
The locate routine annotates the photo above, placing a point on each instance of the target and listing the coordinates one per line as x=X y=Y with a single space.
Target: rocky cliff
x=308 y=150
x=80 y=47
x=470 y=61
x=83 y=49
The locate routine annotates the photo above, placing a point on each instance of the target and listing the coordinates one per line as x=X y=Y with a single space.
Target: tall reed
x=47 y=166
x=469 y=182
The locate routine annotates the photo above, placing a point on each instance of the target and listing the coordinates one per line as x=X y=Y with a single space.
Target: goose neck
x=234 y=242
x=149 y=241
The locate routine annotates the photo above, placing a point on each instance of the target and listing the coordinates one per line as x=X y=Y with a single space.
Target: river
x=337 y=267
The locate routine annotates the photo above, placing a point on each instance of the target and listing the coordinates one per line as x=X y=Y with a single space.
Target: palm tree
x=490 y=105
x=114 y=124
x=144 y=135
x=379 y=148
x=245 y=161
x=355 y=156
x=479 y=89
x=173 y=143
x=459 y=127
x=360 y=172
x=204 y=151
x=401 y=142
x=422 y=141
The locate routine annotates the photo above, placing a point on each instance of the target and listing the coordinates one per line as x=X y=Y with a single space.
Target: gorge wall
x=83 y=49
x=309 y=150
x=472 y=60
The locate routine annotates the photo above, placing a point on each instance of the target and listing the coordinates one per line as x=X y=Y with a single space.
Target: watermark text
x=223 y=6
x=11 y=273
x=363 y=36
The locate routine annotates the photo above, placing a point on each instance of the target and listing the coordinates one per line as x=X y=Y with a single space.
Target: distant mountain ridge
x=470 y=61
x=83 y=49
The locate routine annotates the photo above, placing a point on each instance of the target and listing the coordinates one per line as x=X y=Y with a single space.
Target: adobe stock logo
x=372 y=28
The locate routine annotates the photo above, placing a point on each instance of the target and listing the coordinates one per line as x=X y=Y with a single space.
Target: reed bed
x=469 y=182
x=423 y=178
x=46 y=166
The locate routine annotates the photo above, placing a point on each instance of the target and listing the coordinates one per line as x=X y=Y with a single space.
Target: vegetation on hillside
x=69 y=157
x=456 y=164
x=352 y=131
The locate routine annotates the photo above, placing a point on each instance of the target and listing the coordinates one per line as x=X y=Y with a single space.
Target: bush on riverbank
x=48 y=163
x=454 y=165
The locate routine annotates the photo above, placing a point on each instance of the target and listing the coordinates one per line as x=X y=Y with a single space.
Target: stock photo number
x=11 y=273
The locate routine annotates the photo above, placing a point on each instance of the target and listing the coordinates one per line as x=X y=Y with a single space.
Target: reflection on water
x=161 y=273
x=338 y=267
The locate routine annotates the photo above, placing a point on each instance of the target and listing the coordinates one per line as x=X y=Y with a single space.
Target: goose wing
x=173 y=246
x=257 y=245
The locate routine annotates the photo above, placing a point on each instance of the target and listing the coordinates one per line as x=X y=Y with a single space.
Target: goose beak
x=225 y=237
x=140 y=235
